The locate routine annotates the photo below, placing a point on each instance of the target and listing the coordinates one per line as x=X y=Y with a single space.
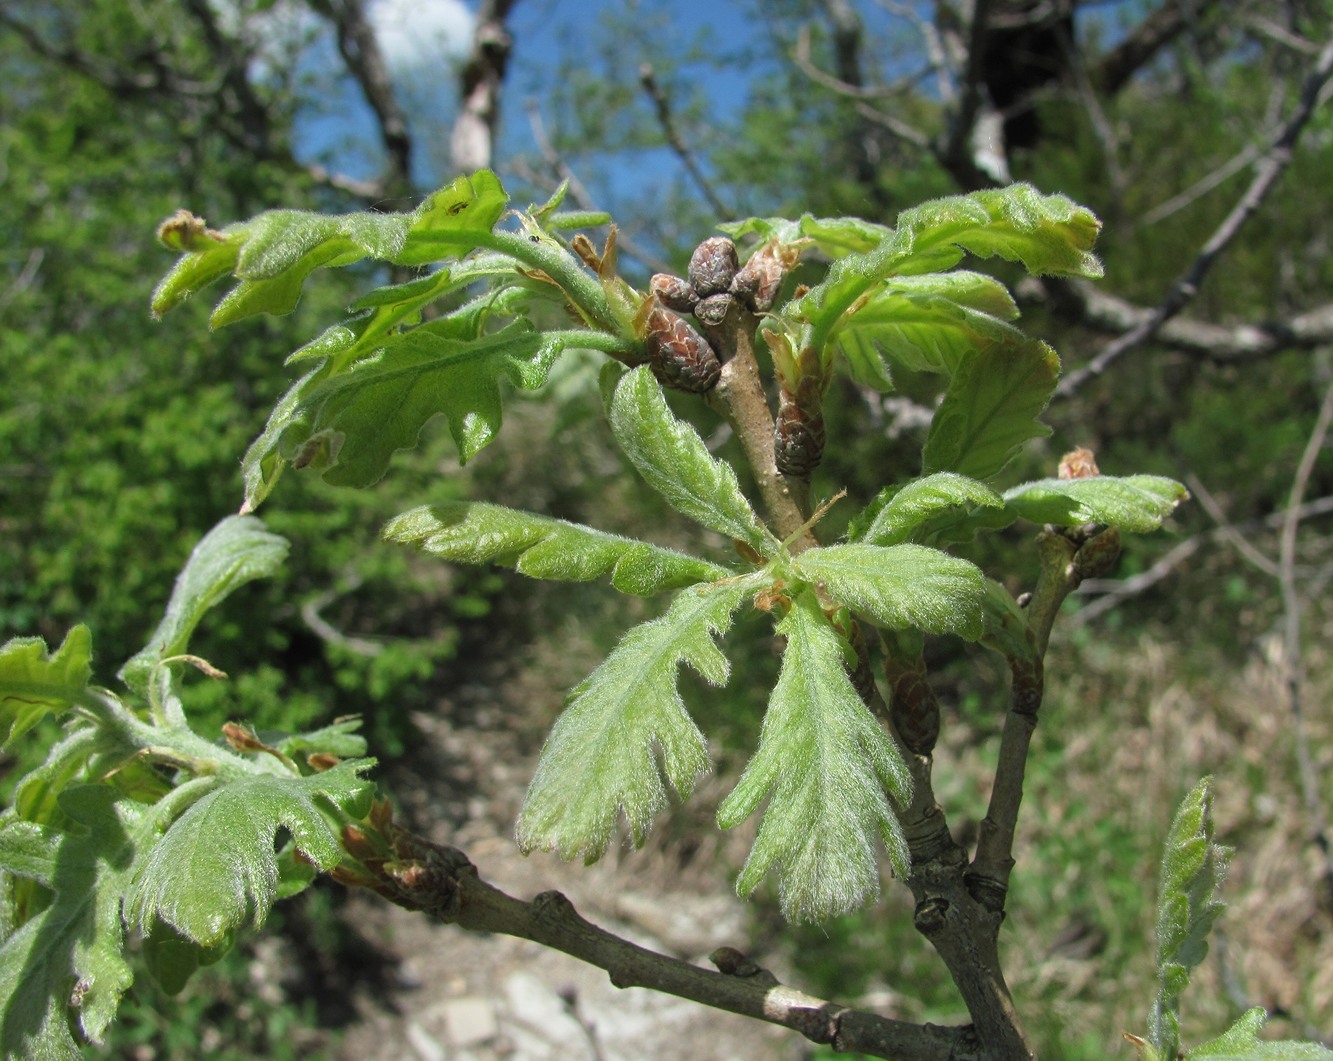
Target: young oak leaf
x=1241 y=1042
x=73 y=947
x=1135 y=503
x=990 y=409
x=826 y=763
x=541 y=547
x=625 y=733
x=35 y=683
x=899 y=512
x=1193 y=869
x=216 y=867
x=901 y=586
x=674 y=461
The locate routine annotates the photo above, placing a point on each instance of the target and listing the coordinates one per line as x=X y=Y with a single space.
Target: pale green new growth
x=826 y=763
x=34 y=683
x=216 y=868
x=673 y=459
x=625 y=734
x=236 y=551
x=900 y=586
x=1193 y=869
x=1240 y=1042
x=897 y=513
x=541 y=547
x=1136 y=503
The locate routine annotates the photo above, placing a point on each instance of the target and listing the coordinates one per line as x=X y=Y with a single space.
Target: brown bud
x=713 y=310
x=758 y=283
x=713 y=266
x=1078 y=464
x=798 y=436
x=673 y=292
x=1096 y=558
x=680 y=357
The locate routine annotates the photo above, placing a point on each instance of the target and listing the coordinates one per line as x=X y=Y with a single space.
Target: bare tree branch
x=361 y=52
x=1291 y=629
x=1144 y=42
x=648 y=79
x=1269 y=169
x=472 y=143
x=442 y=883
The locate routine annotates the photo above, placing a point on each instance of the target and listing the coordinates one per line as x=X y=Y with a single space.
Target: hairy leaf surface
x=348 y=425
x=990 y=409
x=1193 y=869
x=900 y=585
x=35 y=683
x=1241 y=1042
x=479 y=533
x=236 y=551
x=216 y=869
x=671 y=456
x=899 y=511
x=825 y=764
x=625 y=734
x=272 y=254
x=75 y=943
x=1136 y=503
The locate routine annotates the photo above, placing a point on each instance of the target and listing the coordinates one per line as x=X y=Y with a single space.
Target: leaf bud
x=1096 y=558
x=758 y=283
x=680 y=357
x=713 y=310
x=673 y=292
x=713 y=266
x=1078 y=464
x=798 y=431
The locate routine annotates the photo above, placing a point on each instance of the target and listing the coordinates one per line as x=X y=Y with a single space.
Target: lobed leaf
x=72 y=947
x=824 y=763
x=990 y=409
x=216 y=867
x=35 y=683
x=900 y=586
x=349 y=424
x=236 y=551
x=541 y=547
x=927 y=323
x=673 y=459
x=900 y=511
x=1193 y=869
x=625 y=734
x=1136 y=503
x=272 y=254
x=1240 y=1042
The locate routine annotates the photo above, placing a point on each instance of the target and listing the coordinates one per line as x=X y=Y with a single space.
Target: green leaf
x=348 y=425
x=34 y=684
x=1136 y=503
x=541 y=547
x=1193 y=869
x=990 y=409
x=671 y=456
x=272 y=254
x=900 y=585
x=1240 y=1042
x=236 y=551
x=216 y=868
x=172 y=959
x=825 y=764
x=625 y=734
x=1047 y=234
x=338 y=738
x=927 y=323
x=74 y=946
x=900 y=511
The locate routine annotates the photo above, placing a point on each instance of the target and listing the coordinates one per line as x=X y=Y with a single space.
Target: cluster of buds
x=680 y=356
